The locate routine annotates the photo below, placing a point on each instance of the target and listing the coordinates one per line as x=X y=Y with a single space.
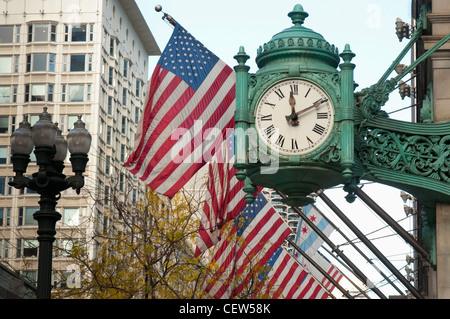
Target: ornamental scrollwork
x=371 y=99
x=426 y=156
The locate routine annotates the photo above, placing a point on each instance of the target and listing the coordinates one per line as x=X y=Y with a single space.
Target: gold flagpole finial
x=158 y=8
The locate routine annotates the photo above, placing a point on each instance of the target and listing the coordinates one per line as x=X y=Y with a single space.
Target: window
x=27 y=248
x=89 y=62
x=3 y=154
x=124 y=97
x=8 y=93
x=124 y=124
x=76 y=93
x=71 y=119
x=4 y=124
x=6 y=64
x=111 y=76
x=122 y=153
x=110 y=105
x=138 y=88
x=38 y=92
x=134 y=196
x=31 y=276
x=125 y=68
x=79 y=32
x=41 y=62
x=2 y=223
x=107 y=165
x=136 y=115
x=71 y=217
x=6 y=251
x=41 y=32
x=5 y=94
x=77 y=62
x=112 y=44
x=3 y=181
x=72 y=93
x=67 y=246
x=108 y=134
x=106 y=195
x=6 y=34
x=10 y=34
x=26 y=216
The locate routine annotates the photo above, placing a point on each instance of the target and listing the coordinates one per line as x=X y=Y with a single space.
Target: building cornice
x=140 y=25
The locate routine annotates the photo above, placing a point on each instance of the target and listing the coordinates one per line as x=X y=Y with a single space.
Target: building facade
x=75 y=57
x=432 y=98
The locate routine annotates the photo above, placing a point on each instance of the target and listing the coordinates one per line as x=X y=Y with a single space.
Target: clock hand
x=292 y=118
x=314 y=106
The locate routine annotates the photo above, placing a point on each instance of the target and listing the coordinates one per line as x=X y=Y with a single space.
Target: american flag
x=257 y=232
x=287 y=279
x=225 y=197
x=190 y=105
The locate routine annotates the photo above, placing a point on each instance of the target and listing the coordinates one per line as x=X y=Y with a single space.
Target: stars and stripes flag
x=255 y=234
x=190 y=104
x=225 y=197
x=309 y=241
x=287 y=279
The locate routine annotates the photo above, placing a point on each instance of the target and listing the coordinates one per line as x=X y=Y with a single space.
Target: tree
x=145 y=252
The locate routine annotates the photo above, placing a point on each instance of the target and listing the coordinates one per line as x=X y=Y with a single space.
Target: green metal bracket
x=370 y=100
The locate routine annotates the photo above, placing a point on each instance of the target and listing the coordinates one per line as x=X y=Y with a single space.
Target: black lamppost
x=50 y=149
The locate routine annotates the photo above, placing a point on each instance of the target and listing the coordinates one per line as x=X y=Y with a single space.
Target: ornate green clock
x=293 y=110
x=294 y=117
x=300 y=127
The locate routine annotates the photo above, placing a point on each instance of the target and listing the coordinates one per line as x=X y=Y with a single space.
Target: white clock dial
x=294 y=117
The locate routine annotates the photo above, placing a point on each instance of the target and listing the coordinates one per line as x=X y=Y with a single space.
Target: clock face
x=294 y=117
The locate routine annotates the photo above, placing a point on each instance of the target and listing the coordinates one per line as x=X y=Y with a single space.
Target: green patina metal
x=364 y=144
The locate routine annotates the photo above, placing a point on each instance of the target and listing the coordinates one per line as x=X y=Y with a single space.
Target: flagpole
x=346 y=267
x=323 y=272
x=388 y=219
x=359 y=250
x=372 y=247
x=334 y=248
x=166 y=17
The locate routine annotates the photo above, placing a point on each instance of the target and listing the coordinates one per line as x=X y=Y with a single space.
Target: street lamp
x=50 y=149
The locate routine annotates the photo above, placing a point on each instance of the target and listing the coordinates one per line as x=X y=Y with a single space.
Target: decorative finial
x=241 y=57
x=298 y=15
x=347 y=55
x=158 y=8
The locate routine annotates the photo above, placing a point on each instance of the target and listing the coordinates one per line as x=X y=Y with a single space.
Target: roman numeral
x=279 y=93
x=294 y=89
x=307 y=92
x=266 y=117
x=280 y=141
x=322 y=115
x=319 y=129
x=294 y=144
x=271 y=104
x=269 y=131
x=309 y=141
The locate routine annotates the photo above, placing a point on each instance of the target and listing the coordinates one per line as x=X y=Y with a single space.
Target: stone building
x=75 y=57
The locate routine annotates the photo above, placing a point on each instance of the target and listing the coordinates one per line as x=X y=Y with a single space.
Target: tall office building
x=75 y=57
